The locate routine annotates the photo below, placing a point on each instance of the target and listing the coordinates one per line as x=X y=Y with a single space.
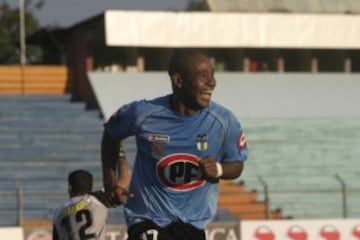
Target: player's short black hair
x=80 y=181
x=179 y=58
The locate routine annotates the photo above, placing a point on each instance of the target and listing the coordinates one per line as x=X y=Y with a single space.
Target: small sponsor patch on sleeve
x=242 y=141
x=158 y=138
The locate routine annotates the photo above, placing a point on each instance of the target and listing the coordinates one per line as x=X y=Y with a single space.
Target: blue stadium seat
x=42 y=138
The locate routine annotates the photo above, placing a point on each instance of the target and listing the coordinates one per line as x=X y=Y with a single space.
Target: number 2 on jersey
x=80 y=216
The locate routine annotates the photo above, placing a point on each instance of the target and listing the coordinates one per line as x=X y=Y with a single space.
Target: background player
x=185 y=144
x=83 y=216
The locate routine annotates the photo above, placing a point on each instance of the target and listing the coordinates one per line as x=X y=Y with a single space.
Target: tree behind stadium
x=10 y=32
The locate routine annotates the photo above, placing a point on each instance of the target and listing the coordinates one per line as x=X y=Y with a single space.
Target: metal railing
x=343 y=192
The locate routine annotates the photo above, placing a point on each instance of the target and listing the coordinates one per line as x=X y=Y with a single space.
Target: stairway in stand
x=244 y=204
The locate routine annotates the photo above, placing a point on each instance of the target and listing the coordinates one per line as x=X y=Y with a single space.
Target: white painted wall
x=247 y=95
x=224 y=29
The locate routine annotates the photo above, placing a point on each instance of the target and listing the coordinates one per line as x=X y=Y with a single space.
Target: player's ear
x=176 y=80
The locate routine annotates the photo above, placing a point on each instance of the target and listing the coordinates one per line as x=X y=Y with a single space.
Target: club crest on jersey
x=158 y=148
x=180 y=172
x=201 y=142
x=158 y=138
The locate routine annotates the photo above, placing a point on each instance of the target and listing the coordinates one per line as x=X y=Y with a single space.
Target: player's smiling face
x=199 y=83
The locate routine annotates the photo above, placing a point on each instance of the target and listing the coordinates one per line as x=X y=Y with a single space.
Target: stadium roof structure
x=231 y=30
x=294 y=6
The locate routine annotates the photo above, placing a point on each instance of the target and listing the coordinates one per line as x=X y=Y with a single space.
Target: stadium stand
x=239 y=202
x=42 y=138
x=296 y=156
x=34 y=80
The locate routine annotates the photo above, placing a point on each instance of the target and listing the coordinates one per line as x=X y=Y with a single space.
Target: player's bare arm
x=226 y=170
x=124 y=172
x=231 y=170
x=109 y=157
x=116 y=171
x=123 y=180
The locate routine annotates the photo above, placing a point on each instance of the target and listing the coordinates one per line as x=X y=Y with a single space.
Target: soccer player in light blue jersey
x=185 y=144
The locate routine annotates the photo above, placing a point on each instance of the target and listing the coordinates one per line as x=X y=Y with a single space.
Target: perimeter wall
x=332 y=229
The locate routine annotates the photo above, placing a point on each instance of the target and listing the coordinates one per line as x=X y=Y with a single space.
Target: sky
x=65 y=13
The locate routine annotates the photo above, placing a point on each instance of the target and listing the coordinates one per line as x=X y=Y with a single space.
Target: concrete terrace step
x=49 y=157
x=52 y=117
x=40 y=185
x=42 y=139
x=298 y=159
x=46 y=173
x=35 y=98
x=29 y=108
x=38 y=131
x=67 y=140
x=56 y=149
x=8 y=218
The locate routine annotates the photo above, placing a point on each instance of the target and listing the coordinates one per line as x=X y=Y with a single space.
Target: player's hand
x=208 y=165
x=115 y=195
x=121 y=194
x=105 y=197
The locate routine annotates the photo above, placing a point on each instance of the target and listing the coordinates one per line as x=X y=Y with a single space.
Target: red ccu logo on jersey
x=180 y=172
x=242 y=141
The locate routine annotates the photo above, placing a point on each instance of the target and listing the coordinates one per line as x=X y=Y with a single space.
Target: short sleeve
x=122 y=123
x=235 y=146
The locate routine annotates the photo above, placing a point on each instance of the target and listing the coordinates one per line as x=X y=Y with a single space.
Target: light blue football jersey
x=167 y=182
